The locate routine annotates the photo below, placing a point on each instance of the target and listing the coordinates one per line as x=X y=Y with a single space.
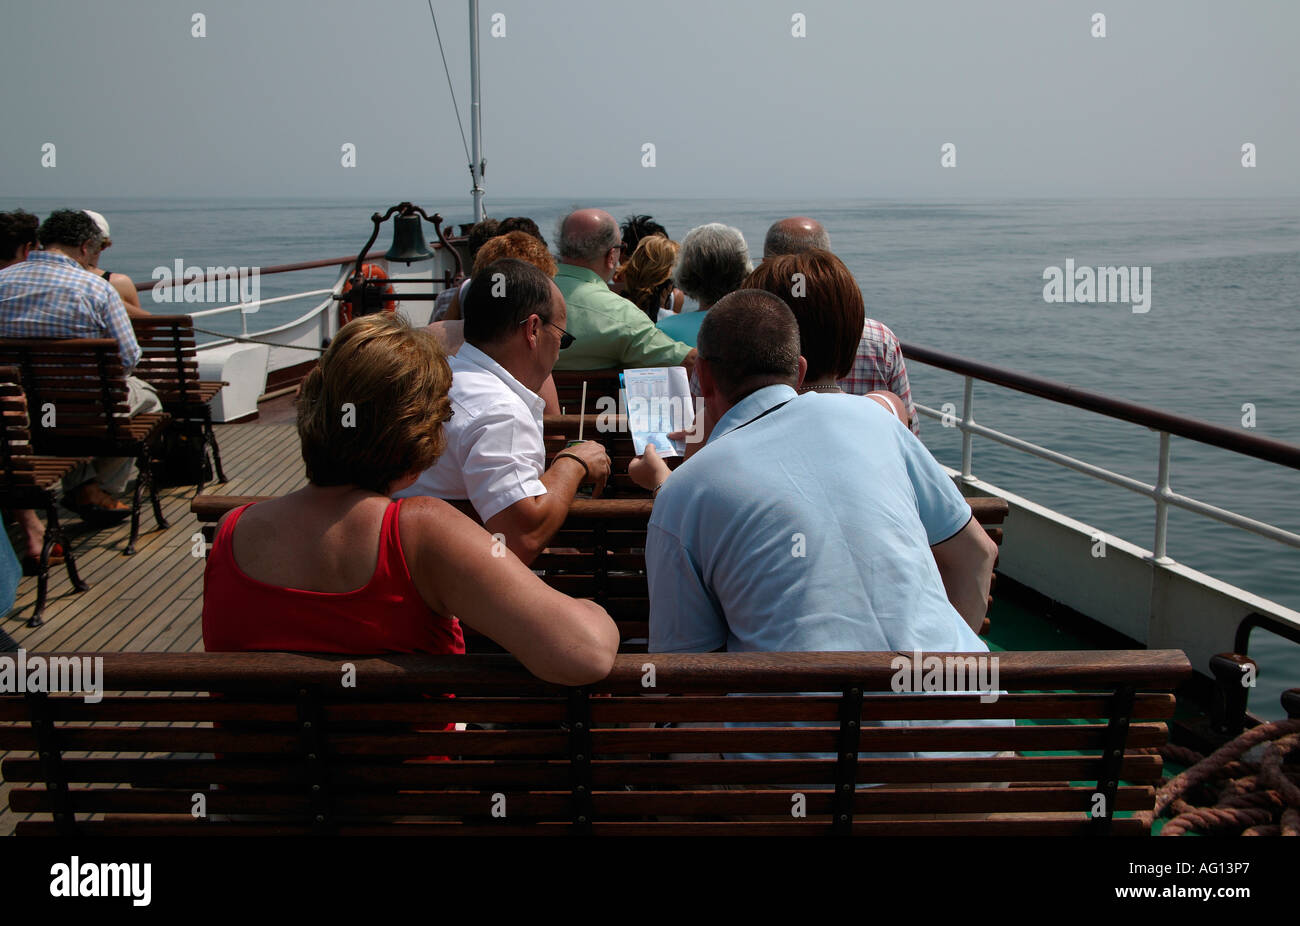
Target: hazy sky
x=734 y=104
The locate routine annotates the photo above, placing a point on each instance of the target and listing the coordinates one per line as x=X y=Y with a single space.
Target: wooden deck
x=151 y=601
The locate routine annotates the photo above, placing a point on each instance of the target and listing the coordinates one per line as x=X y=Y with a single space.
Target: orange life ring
x=370 y=272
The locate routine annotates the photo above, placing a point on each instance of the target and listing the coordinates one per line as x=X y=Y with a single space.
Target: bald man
x=794 y=236
x=608 y=330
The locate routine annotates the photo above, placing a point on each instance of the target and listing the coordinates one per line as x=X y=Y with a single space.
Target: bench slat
x=608 y=804
x=606 y=773
x=605 y=741
x=603 y=710
x=704 y=673
x=186 y=826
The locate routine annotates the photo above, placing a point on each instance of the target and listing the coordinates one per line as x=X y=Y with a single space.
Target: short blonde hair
x=371 y=411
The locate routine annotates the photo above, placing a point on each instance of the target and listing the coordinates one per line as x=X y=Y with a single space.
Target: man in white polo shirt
x=495 y=457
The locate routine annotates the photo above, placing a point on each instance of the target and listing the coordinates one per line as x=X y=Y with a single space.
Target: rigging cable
x=464 y=144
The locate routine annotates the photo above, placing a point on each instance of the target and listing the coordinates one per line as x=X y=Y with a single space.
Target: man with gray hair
x=713 y=261
x=607 y=330
x=794 y=236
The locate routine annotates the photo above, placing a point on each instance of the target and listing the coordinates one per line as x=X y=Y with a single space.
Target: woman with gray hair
x=713 y=261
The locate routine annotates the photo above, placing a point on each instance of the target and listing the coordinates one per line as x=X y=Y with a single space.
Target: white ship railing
x=250 y=308
x=1165 y=424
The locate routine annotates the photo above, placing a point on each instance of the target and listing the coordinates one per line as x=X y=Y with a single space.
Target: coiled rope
x=1230 y=792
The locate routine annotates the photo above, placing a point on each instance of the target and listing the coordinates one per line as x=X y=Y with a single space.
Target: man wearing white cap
x=124 y=285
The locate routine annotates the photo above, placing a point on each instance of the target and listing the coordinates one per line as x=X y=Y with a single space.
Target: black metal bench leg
x=211 y=436
x=142 y=467
x=53 y=529
x=203 y=461
x=153 y=497
x=42 y=581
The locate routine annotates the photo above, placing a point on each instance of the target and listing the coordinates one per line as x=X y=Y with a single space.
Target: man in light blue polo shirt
x=811 y=522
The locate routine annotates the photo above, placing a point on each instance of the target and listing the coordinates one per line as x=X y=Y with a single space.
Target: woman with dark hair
x=637 y=227
x=827 y=304
x=340 y=567
x=520 y=223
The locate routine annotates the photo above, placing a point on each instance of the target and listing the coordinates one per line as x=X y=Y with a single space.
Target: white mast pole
x=476 y=128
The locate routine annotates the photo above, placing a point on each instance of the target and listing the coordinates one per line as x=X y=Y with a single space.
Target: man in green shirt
x=608 y=330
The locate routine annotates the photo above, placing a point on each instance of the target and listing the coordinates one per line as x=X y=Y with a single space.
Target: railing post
x=967 y=418
x=1162 y=502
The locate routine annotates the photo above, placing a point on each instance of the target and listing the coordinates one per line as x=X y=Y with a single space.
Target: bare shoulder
x=423 y=517
x=221 y=522
x=426 y=506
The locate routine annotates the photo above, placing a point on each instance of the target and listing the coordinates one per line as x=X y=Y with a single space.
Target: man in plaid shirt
x=879 y=364
x=51 y=295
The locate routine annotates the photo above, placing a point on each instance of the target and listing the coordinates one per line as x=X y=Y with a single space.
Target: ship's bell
x=408 y=240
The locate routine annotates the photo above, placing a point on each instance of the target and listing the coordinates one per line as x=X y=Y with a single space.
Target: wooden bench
x=325 y=744
x=29 y=481
x=598 y=553
x=169 y=363
x=568 y=388
x=77 y=387
x=558 y=430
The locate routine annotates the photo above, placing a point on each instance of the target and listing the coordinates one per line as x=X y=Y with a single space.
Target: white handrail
x=1160 y=493
x=245 y=306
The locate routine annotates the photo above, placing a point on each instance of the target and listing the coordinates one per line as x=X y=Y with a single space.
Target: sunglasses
x=566 y=339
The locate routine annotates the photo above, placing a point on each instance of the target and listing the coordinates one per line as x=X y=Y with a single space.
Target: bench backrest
x=16 y=454
x=600 y=383
x=168 y=356
x=336 y=744
x=76 y=387
x=610 y=430
x=598 y=553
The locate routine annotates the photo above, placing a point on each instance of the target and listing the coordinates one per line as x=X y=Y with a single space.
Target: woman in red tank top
x=337 y=567
x=386 y=615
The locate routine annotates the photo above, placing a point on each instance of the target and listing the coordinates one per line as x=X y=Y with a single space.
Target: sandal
x=32 y=564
